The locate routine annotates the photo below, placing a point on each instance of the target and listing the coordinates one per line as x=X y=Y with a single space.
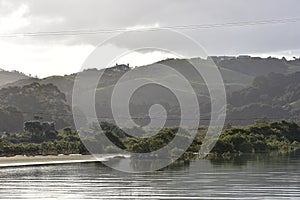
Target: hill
x=255 y=87
x=19 y=104
x=237 y=72
x=272 y=96
x=7 y=77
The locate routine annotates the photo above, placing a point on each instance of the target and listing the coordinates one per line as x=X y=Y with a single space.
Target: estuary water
x=243 y=177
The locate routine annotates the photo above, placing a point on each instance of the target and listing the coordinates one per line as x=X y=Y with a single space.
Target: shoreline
x=39 y=160
x=23 y=160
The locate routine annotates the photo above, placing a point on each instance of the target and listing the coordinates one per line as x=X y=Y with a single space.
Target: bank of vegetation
x=261 y=137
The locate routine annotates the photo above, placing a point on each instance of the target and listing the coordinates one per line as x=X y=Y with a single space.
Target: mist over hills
x=255 y=87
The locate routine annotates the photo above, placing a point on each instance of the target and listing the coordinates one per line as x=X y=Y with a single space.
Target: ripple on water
x=258 y=179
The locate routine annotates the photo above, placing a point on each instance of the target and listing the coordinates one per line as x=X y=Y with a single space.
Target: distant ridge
x=238 y=72
x=7 y=77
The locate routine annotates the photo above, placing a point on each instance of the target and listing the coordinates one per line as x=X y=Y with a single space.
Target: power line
x=177 y=27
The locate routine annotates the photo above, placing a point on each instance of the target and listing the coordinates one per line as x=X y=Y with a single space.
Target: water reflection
x=242 y=177
x=274 y=158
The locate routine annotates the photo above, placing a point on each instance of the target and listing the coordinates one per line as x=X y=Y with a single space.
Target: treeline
x=66 y=142
x=258 y=138
x=261 y=137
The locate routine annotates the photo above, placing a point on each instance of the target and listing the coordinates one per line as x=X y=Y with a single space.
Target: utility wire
x=119 y=30
x=178 y=27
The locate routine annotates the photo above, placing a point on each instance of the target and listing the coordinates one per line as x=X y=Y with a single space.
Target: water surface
x=244 y=177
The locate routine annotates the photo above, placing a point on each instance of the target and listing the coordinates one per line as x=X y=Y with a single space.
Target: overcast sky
x=49 y=55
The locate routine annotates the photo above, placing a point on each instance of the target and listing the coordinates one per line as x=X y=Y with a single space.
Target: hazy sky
x=48 y=55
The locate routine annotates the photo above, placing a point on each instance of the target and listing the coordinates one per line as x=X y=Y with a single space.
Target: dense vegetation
x=261 y=137
x=20 y=104
x=66 y=141
x=274 y=95
x=11 y=119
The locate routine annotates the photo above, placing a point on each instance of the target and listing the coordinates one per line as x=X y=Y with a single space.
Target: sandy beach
x=22 y=160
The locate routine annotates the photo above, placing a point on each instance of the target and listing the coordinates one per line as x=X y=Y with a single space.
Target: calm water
x=247 y=177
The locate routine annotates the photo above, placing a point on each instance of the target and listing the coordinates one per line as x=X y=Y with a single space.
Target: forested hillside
x=237 y=72
x=256 y=87
x=24 y=103
x=273 y=96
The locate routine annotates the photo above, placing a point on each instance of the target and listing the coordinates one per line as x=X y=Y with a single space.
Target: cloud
x=56 y=15
x=15 y=20
x=43 y=60
x=144 y=58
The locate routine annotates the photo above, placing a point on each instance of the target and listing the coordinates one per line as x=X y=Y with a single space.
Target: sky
x=64 y=54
